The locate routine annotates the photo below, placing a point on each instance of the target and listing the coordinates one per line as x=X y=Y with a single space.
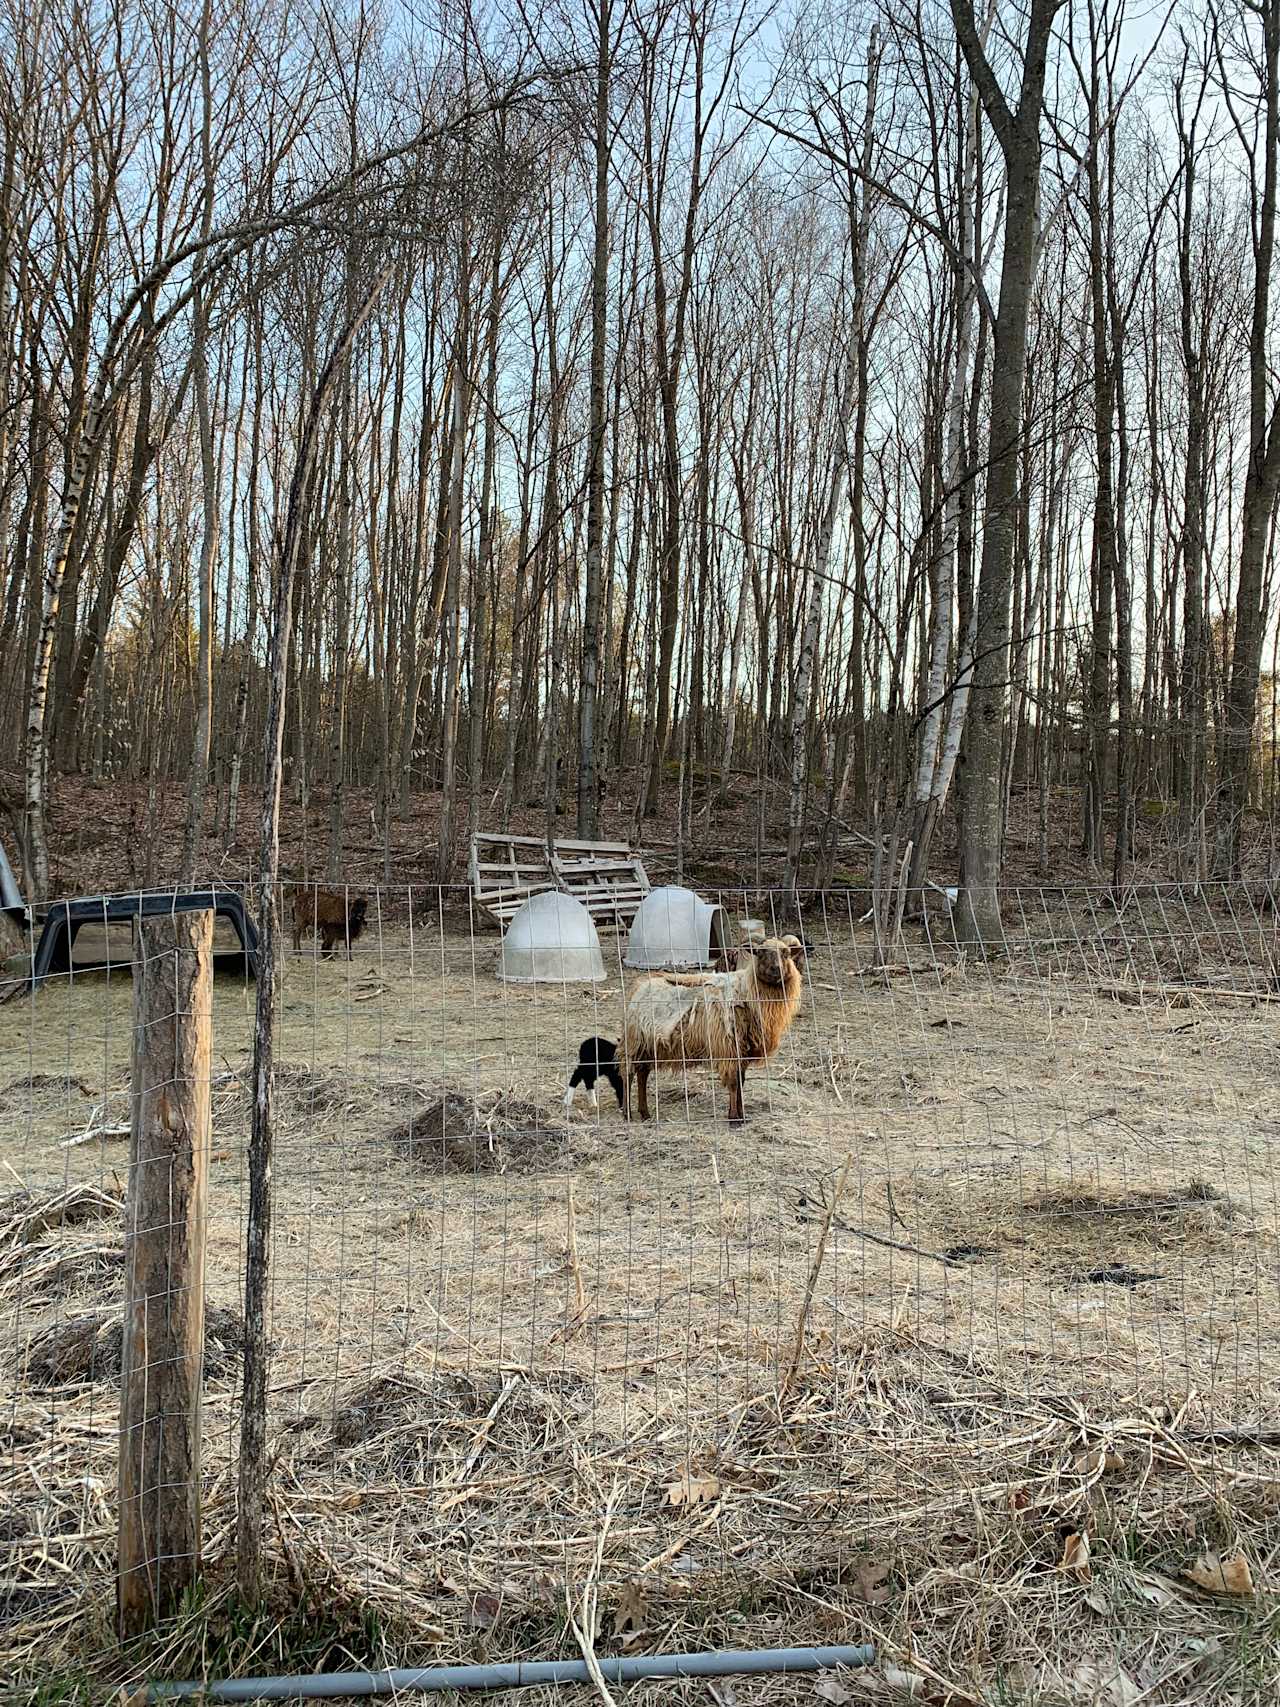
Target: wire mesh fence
x=983 y=1292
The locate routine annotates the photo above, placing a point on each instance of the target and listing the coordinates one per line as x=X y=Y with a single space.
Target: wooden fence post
x=159 y=1531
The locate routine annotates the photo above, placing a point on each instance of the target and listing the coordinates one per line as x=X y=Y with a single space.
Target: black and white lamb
x=597 y=1059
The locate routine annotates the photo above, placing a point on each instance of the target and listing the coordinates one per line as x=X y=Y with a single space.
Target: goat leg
x=736 y=1116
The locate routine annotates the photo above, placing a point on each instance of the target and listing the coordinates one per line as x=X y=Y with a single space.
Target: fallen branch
x=486 y=1427
x=586 y=1624
x=95 y=1129
x=1169 y=993
x=1233 y=1436
x=880 y=1239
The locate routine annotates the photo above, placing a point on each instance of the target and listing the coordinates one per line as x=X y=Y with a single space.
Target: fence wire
x=985 y=1288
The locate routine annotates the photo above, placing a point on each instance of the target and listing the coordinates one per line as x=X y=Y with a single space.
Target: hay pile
x=87 y=1349
x=25 y=1214
x=493 y=1134
x=43 y=1256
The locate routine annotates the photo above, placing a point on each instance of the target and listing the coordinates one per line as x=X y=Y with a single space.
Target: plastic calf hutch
x=11 y=902
x=55 y=951
x=675 y=928
x=551 y=940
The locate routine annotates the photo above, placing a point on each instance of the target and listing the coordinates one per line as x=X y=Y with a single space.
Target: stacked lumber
x=506 y=871
x=607 y=877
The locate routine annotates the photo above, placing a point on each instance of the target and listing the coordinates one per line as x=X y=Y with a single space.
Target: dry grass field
x=968 y=1344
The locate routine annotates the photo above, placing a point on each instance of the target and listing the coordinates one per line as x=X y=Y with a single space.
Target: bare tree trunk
x=452 y=614
x=1261 y=483
x=555 y=670
x=1190 y=733
x=483 y=565
x=1018 y=133
x=36 y=833
x=251 y=1494
x=342 y=597
x=747 y=515
x=198 y=779
x=819 y=576
x=519 y=614
x=944 y=711
x=588 y=792
x=1105 y=545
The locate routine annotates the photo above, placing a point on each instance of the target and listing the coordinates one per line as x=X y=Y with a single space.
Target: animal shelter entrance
x=95 y=934
x=674 y=928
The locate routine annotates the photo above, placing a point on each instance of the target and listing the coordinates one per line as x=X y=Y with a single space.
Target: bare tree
x=1259 y=137
x=1018 y=132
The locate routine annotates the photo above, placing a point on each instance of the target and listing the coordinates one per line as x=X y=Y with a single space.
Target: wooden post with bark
x=159 y=1525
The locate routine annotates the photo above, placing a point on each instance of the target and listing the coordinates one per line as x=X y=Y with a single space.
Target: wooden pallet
x=505 y=871
x=607 y=877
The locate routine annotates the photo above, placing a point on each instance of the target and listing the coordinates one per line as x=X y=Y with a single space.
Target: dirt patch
x=1115 y=1274
x=1167 y=1199
x=394 y=1421
x=491 y=1134
x=312 y=1091
x=371 y=1410
x=87 y=1349
x=307 y=1094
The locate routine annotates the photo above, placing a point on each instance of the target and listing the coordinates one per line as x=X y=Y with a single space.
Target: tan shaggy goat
x=728 y=1020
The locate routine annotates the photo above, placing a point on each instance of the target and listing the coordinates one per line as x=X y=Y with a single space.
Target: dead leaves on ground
x=1095 y=1683
x=831 y=1689
x=632 y=1613
x=933 y=1690
x=1076 y=1557
x=1222 y=1574
x=1155 y=1589
x=692 y=1491
x=910 y=1682
x=871 y=1581
x=1100 y=1462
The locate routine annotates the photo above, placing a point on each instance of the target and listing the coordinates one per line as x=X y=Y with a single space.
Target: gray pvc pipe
x=517 y=1675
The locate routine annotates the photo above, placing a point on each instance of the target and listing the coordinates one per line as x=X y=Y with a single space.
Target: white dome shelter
x=675 y=928
x=551 y=940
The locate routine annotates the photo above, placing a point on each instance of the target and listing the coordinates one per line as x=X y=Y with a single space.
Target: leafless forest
x=864 y=417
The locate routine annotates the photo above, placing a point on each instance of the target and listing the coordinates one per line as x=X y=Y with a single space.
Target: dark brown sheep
x=336 y=917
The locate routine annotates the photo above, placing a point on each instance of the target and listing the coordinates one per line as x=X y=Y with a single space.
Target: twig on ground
x=575 y=1317
x=96 y=1129
x=586 y=1623
x=802 y=1321
x=893 y=1208
x=486 y=1427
